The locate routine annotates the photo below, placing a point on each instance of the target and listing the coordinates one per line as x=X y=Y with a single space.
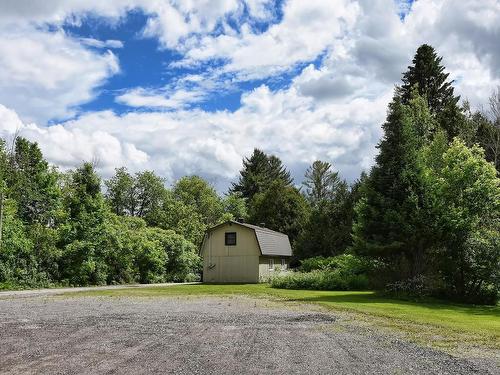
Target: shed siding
x=238 y=263
x=265 y=272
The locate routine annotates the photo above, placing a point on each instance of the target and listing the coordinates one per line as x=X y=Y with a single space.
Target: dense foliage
x=343 y=272
x=430 y=206
x=425 y=220
x=59 y=229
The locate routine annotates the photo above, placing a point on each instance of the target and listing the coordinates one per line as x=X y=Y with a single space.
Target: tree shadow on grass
x=431 y=304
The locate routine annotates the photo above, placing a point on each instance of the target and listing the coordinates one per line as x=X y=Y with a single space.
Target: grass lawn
x=437 y=323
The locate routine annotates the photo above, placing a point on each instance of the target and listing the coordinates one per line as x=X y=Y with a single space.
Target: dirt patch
x=89 y=335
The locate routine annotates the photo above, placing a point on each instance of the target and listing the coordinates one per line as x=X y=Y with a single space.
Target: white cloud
x=182 y=92
x=332 y=110
x=308 y=28
x=141 y=97
x=110 y=43
x=68 y=146
x=212 y=144
x=171 y=21
x=44 y=75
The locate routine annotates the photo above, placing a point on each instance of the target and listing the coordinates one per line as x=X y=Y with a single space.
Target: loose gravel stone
x=206 y=335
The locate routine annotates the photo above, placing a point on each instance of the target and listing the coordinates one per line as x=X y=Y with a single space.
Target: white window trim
x=271 y=264
x=283 y=264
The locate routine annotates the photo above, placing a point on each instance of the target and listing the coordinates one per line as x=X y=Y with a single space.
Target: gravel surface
x=96 y=335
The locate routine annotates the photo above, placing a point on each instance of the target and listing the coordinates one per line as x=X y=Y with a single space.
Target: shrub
x=347 y=263
x=320 y=280
x=342 y=272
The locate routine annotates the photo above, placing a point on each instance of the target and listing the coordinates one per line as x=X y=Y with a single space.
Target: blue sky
x=146 y=64
x=191 y=87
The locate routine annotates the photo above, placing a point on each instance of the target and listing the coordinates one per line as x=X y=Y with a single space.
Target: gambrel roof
x=270 y=242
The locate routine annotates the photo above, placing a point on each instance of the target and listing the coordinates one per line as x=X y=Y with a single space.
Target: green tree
x=427 y=75
x=235 y=207
x=463 y=193
x=32 y=183
x=150 y=190
x=121 y=193
x=259 y=171
x=181 y=218
x=281 y=207
x=83 y=259
x=320 y=182
x=18 y=265
x=391 y=218
x=3 y=185
x=277 y=171
x=488 y=130
x=195 y=192
x=327 y=230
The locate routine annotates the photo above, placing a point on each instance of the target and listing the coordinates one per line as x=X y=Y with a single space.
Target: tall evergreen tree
x=277 y=170
x=320 y=182
x=391 y=222
x=253 y=176
x=428 y=76
x=259 y=171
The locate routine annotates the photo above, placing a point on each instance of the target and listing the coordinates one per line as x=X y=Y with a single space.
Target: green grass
x=438 y=323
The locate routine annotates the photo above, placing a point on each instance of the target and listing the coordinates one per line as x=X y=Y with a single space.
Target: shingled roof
x=270 y=242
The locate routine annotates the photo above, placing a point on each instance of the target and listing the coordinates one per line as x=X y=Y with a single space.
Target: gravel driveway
x=96 y=335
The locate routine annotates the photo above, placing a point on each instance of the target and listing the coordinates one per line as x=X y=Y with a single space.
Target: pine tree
x=259 y=171
x=428 y=76
x=320 y=182
x=391 y=221
x=277 y=170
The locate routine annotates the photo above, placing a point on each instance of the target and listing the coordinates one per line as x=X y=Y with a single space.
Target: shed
x=236 y=252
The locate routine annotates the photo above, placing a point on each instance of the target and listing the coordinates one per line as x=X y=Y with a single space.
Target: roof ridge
x=256 y=227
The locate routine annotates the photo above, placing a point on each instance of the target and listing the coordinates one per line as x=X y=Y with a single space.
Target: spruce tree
x=277 y=171
x=391 y=221
x=320 y=182
x=428 y=76
x=258 y=173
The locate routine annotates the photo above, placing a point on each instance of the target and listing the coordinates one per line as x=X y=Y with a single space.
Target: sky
x=185 y=87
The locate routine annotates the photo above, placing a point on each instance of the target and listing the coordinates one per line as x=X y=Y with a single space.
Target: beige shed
x=235 y=252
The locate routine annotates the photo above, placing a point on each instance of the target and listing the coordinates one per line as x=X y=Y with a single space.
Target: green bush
x=346 y=262
x=342 y=272
x=320 y=280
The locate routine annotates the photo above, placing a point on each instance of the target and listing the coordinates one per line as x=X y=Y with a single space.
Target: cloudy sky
x=191 y=86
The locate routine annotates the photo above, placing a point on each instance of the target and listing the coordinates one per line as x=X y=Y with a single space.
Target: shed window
x=271 y=264
x=230 y=239
x=283 y=263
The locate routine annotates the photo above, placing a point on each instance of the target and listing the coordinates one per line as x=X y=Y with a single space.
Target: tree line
x=426 y=216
